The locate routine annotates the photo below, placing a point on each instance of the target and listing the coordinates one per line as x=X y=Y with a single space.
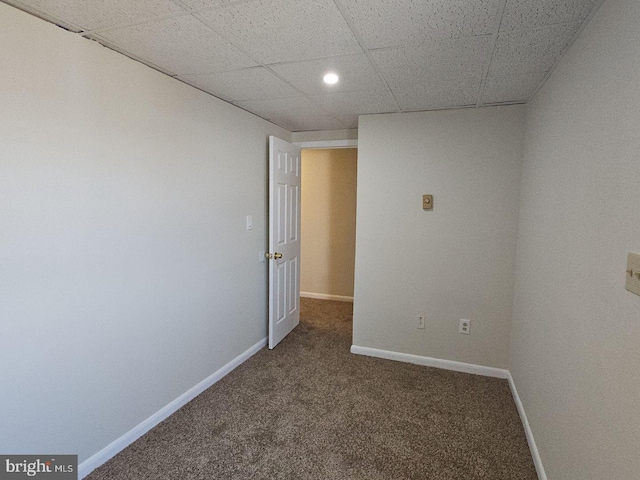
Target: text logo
x=45 y=467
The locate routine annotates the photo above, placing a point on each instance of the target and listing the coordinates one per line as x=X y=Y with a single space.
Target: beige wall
x=328 y=221
x=454 y=262
x=575 y=350
x=126 y=273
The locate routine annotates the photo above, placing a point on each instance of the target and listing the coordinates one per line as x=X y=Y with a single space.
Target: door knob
x=277 y=255
x=272 y=256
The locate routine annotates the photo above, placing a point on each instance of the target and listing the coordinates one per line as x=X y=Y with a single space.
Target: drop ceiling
x=269 y=56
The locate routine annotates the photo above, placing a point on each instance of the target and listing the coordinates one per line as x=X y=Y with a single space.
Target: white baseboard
x=93 y=462
x=465 y=368
x=537 y=461
x=326 y=296
x=431 y=362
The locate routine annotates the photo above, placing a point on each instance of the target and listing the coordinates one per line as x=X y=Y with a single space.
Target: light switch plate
x=633 y=273
x=427 y=202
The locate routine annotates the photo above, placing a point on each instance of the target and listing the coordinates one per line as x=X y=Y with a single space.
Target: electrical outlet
x=421 y=321
x=465 y=327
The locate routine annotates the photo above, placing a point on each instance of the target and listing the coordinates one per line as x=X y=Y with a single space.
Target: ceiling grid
x=269 y=56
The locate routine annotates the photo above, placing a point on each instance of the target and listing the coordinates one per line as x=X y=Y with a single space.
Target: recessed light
x=330 y=78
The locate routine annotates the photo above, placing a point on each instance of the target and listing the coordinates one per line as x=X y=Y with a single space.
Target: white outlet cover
x=465 y=326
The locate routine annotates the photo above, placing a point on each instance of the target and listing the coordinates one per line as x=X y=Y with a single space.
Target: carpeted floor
x=309 y=409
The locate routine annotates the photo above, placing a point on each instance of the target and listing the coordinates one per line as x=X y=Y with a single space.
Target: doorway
x=328 y=224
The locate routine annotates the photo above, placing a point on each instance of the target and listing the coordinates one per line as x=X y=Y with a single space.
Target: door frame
x=329 y=145
x=312 y=144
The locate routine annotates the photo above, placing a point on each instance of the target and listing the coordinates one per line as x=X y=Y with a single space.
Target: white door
x=284 y=239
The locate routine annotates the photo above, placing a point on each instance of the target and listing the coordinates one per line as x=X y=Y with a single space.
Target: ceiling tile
x=511 y=88
x=246 y=84
x=404 y=67
x=282 y=107
x=382 y=24
x=532 y=50
x=280 y=31
x=439 y=92
x=96 y=14
x=182 y=45
x=346 y=103
x=355 y=71
x=536 y=13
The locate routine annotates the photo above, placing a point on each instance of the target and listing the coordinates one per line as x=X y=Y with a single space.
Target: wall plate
x=427 y=202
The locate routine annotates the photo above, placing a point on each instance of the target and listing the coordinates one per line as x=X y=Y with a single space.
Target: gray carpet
x=309 y=409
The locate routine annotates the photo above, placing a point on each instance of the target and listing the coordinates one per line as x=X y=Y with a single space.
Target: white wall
x=126 y=272
x=454 y=262
x=325 y=135
x=576 y=330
